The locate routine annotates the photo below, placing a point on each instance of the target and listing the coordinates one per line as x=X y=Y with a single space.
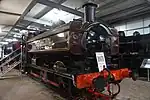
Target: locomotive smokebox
x=89 y=12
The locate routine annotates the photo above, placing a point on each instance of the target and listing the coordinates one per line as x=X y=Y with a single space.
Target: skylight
x=55 y=15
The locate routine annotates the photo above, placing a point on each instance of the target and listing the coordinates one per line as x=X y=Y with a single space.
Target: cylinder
x=89 y=12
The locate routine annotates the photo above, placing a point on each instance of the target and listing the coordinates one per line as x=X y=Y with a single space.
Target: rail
x=10 y=62
x=6 y=69
x=10 y=54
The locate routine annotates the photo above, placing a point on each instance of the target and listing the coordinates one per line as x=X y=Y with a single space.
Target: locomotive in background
x=133 y=50
x=77 y=57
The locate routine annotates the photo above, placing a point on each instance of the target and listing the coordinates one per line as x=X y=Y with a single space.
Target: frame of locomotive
x=47 y=57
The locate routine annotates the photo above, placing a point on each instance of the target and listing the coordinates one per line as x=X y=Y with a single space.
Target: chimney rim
x=89 y=3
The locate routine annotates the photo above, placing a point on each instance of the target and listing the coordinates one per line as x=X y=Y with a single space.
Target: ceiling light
x=60 y=35
x=59 y=15
x=15 y=29
x=53 y=43
x=3 y=42
x=17 y=36
x=11 y=40
x=35 y=42
x=32 y=31
x=9 y=48
x=23 y=31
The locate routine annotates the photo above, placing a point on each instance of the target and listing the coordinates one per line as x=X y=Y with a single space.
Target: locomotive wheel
x=59 y=66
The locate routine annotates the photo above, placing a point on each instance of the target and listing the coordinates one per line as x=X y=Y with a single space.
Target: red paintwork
x=45 y=80
x=86 y=80
x=35 y=75
x=53 y=83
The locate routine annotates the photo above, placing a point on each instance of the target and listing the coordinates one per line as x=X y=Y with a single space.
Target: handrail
x=13 y=66
x=10 y=54
x=1 y=65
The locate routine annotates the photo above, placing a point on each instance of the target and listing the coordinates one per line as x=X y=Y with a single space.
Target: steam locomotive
x=133 y=50
x=77 y=57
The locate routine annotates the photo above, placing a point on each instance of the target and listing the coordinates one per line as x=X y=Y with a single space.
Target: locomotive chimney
x=89 y=12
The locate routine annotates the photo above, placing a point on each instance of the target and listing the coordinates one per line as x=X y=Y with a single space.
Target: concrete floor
x=134 y=90
x=25 y=88
x=28 y=89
